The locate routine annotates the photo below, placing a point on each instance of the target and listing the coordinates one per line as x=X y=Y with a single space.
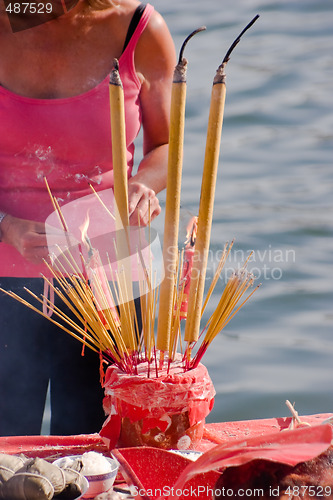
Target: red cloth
x=154 y=399
x=223 y=432
x=172 y=476
x=289 y=447
x=66 y=140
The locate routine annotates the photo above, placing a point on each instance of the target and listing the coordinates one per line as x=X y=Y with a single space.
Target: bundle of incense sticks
x=120 y=334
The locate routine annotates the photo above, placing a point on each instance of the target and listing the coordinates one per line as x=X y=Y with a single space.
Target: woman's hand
x=27 y=236
x=143 y=205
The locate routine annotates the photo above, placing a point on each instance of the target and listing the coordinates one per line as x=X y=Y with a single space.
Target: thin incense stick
x=101 y=201
x=217 y=274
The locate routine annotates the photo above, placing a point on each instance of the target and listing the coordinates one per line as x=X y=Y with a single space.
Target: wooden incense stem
x=205 y=216
x=172 y=206
x=119 y=160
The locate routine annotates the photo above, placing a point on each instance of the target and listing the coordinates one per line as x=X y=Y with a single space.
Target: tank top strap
x=134 y=22
x=138 y=24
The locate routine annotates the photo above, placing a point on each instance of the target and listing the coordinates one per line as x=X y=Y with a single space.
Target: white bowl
x=85 y=488
x=98 y=483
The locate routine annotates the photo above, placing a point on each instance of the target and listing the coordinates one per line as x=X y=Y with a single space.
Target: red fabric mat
x=219 y=433
x=52 y=446
x=216 y=433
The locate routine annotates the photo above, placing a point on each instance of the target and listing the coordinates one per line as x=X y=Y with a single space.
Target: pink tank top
x=66 y=140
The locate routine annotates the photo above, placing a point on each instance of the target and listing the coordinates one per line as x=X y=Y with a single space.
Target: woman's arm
x=155 y=61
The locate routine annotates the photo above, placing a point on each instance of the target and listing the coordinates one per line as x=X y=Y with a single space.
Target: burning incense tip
x=181 y=52
x=114 y=75
x=116 y=64
x=235 y=42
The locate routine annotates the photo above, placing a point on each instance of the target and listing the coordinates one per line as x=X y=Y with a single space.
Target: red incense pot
x=166 y=412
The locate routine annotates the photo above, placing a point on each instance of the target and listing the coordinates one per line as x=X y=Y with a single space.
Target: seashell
x=12 y=462
x=76 y=464
x=107 y=496
x=75 y=484
x=53 y=473
x=27 y=486
x=5 y=474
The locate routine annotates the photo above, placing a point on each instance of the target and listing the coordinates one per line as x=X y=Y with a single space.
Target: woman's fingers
x=143 y=204
x=146 y=210
x=28 y=237
x=33 y=244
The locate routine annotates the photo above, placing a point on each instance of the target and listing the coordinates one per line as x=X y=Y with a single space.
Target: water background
x=273 y=194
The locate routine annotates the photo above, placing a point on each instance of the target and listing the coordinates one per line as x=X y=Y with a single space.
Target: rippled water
x=273 y=195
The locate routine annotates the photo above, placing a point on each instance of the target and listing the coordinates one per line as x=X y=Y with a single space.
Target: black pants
x=34 y=351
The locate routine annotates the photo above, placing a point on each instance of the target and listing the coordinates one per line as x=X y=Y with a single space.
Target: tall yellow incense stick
x=118 y=137
x=206 y=206
x=205 y=217
x=119 y=160
x=175 y=162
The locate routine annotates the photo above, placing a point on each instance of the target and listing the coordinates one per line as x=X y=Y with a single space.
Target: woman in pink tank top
x=55 y=123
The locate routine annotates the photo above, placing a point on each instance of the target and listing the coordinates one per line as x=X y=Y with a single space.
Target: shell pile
x=23 y=478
